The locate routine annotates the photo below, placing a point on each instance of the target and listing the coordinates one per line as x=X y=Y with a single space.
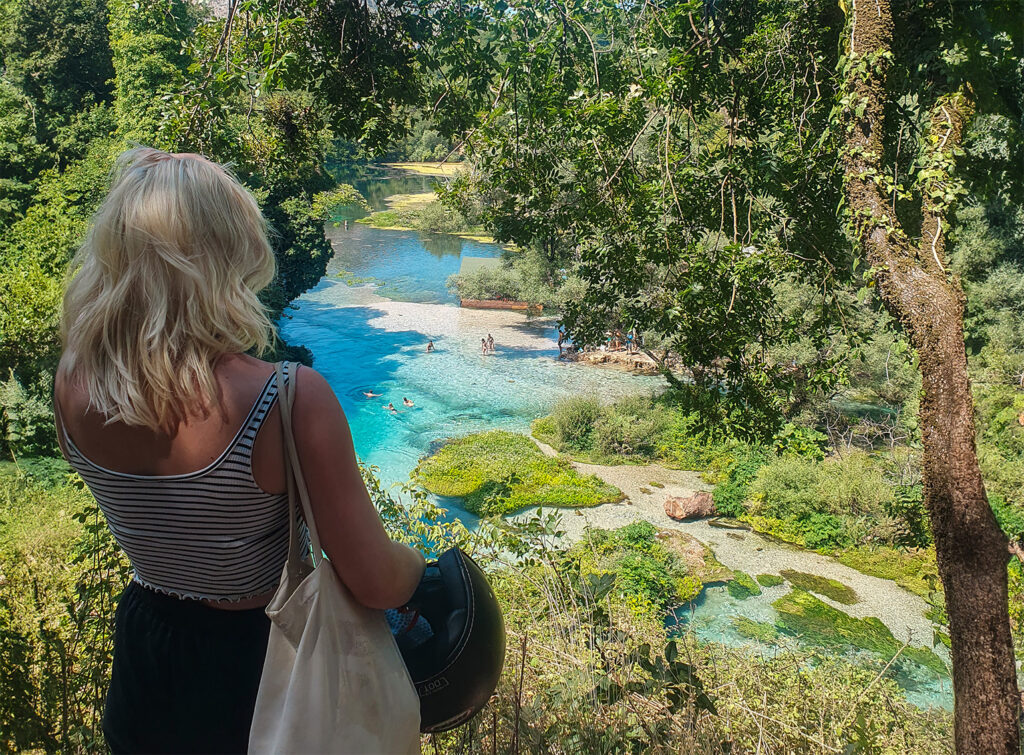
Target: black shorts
x=184 y=677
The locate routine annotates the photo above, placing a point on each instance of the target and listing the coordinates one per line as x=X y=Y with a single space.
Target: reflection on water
x=376 y=182
x=406 y=265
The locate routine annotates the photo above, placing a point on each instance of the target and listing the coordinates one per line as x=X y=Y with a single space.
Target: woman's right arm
x=379 y=572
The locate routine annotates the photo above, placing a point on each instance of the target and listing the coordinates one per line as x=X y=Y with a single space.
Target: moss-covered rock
x=769 y=580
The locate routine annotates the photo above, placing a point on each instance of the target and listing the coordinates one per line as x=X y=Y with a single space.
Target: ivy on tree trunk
x=916 y=287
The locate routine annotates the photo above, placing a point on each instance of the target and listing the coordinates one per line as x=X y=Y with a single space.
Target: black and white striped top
x=212 y=534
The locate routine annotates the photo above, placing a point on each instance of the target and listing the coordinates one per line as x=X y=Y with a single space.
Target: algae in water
x=814 y=621
x=830 y=588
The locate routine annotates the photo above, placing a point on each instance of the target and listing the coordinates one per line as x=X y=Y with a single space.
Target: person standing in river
x=490 y=343
x=176 y=430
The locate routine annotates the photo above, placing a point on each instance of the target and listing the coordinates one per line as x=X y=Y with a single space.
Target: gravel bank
x=901 y=611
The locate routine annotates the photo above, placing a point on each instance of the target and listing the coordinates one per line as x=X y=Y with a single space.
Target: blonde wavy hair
x=164 y=284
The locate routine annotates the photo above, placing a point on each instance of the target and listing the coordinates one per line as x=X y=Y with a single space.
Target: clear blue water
x=373 y=335
x=710 y=618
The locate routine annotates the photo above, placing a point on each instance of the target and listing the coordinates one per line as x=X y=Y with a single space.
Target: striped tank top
x=213 y=534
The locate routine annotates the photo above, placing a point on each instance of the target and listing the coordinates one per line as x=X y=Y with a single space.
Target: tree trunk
x=971 y=550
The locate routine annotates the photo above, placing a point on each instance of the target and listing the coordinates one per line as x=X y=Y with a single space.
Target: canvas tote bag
x=333 y=680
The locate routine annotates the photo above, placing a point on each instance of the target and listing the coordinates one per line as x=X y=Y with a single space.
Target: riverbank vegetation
x=590 y=665
x=423 y=212
x=499 y=472
x=813 y=209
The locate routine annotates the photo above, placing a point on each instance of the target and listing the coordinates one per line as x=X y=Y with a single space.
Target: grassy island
x=423 y=212
x=500 y=472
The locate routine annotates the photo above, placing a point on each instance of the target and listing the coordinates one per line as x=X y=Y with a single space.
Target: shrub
x=822 y=531
x=638 y=535
x=620 y=435
x=26 y=420
x=907 y=508
x=435 y=217
x=801 y=441
x=61 y=579
x=733 y=468
x=791 y=486
x=574 y=420
x=646 y=580
x=501 y=283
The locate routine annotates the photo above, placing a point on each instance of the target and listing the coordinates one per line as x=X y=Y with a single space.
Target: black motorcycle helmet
x=455 y=670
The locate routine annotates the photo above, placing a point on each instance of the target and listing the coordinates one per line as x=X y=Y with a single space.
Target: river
x=368 y=323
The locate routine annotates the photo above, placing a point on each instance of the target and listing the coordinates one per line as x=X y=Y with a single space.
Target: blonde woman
x=175 y=429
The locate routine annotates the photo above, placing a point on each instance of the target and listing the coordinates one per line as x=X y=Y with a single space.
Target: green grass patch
x=500 y=472
x=742 y=586
x=761 y=631
x=815 y=622
x=769 y=580
x=913 y=570
x=830 y=588
x=389 y=219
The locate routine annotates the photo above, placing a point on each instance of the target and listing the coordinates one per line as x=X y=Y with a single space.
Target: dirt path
x=901 y=611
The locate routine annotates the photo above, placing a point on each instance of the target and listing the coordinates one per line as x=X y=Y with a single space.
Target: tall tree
x=919 y=290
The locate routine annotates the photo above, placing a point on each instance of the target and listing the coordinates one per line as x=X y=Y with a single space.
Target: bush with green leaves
x=62 y=575
x=501 y=283
x=828 y=504
x=26 y=420
x=573 y=421
x=648 y=576
x=732 y=467
x=631 y=428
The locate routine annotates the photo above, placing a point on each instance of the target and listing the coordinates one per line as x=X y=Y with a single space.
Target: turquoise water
x=710 y=618
x=373 y=336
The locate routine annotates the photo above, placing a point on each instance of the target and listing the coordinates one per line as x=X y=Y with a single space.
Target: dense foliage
x=589 y=667
x=81 y=82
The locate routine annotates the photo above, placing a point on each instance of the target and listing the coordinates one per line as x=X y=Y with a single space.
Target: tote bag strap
x=298 y=495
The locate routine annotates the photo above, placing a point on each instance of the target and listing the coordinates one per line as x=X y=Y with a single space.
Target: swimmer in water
x=371 y=394
x=430 y=346
x=391 y=408
x=407 y=402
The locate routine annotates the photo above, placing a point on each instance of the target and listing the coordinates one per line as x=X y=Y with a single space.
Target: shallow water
x=710 y=618
x=373 y=336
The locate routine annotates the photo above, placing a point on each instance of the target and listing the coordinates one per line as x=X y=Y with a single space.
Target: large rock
x=696 y=506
